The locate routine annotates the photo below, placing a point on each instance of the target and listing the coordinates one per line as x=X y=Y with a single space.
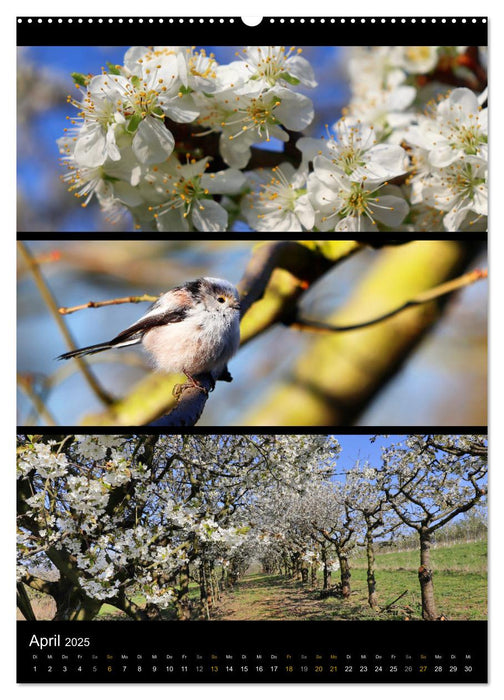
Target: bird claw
x=192 y=383
x=225 y=376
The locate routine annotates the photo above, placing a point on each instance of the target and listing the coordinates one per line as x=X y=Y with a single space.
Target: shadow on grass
x=269 y=597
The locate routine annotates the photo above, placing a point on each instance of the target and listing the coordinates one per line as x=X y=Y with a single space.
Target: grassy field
x=460 y=586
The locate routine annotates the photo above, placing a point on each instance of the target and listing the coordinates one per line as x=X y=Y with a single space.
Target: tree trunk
x=371 y=581
x=205 y=591
x=73 y=604
x=304 y=573
x=345 y=575
x=182 y=606
x=152 y=612
x=327 y=576
x=208 y=576
x=425 y=577
x=23 y=602
x=135 y=612
x=327 y=572
x=296 y=567
x=314 y=575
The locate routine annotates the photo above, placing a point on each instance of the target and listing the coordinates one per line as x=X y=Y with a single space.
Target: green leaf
x=133 y=123
x=185 y=90
x=80 y=80
x=290 y=79
x=135 y=80
x=114 y=70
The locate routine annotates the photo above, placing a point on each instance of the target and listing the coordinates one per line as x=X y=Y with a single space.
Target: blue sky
x=360 y=447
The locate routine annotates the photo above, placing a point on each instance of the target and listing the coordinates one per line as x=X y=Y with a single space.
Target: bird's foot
x=225 y=375
x=192 y=383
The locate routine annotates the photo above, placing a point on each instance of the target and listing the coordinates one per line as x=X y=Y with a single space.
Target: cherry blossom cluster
x=409 y=152
x=122 y=150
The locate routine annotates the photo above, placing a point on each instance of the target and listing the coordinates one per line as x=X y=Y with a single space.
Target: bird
x=192 y=329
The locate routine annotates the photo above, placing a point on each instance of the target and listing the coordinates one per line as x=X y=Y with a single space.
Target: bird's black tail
x=90 y=350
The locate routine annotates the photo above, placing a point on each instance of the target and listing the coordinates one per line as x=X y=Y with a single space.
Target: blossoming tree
x=428 y=480
x=375 y=517
x=121 y=515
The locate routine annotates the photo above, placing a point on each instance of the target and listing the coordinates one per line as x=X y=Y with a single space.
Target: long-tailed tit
x=192 y=329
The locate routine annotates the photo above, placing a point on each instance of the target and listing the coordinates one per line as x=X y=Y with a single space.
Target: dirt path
x=260 y=597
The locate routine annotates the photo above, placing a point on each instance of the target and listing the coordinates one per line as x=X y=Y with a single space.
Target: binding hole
x=251 y=21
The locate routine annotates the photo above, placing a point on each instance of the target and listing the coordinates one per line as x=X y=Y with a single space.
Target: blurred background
x=43 y=83
x=443 y=382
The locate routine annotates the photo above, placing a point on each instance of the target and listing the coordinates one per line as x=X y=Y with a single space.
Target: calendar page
x=243 y=459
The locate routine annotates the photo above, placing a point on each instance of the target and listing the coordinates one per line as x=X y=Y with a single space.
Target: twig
x=392 y=603
x=27 y=386
x=303 y=263
x=423 y=298
x=48 y=298
x=65 y=310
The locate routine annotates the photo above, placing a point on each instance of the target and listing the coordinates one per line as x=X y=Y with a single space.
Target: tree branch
x=423 y=298
x=48 y=298
x=65 y=310
x=340 y=373
x=26 y=384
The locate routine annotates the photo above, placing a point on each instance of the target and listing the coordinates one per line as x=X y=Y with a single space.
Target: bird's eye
x=221 y=300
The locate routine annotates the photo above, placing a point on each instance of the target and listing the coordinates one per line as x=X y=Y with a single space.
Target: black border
x=254 y=430
x=95 y=31
x=219 y=643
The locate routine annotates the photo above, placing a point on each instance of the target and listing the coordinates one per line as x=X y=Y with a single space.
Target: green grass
x=460 y=588
x=462 y=557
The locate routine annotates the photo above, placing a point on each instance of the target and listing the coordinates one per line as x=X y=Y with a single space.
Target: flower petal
x=295 y=111
x=91 y=146
x=228 y=181
x=389 y=210
x=208 y=216
x=180 y=109
x=172 y=221
x=153 y=142
x=299 y=68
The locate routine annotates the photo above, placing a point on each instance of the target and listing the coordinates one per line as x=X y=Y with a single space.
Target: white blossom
x=150 y=136
x=279 y=201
